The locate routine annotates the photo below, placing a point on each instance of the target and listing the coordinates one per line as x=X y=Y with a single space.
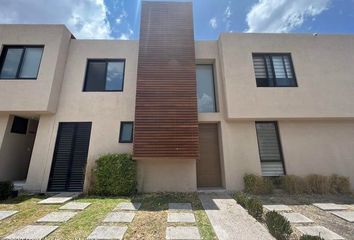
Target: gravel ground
x=302 y=204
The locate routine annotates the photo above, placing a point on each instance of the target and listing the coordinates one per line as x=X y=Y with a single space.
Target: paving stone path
x=7 y=214
x=41 y=230
x=122 y=213
x=310 y=228
x=60 y=198
x=181 y=213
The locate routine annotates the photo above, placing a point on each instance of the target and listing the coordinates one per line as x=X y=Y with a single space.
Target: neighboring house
x=193 y=113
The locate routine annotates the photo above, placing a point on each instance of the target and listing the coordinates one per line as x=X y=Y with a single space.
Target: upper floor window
x=274 y=70
x=205 y=88
x=104 y=75
x=20 y=62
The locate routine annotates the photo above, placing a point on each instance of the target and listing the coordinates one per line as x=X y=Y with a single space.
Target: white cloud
x=282 y=15
x=227 y=16
x=118 y=20
x=213 y=23
x=84 y=18
x=126 y=35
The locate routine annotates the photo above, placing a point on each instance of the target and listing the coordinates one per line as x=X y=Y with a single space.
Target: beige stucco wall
x=323 y=66
x=15 y=154
x=104 y=109
x=40 y=95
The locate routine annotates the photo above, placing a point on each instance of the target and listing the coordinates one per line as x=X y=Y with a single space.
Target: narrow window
x=274 y=70
x=19 y=125
x=20 y=62
x=270 y=152
x=205 y=88
x=126 y=132
x=104 y=75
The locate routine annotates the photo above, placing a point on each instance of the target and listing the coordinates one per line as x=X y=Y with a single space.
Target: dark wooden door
x=70 y=157
x=208 y=164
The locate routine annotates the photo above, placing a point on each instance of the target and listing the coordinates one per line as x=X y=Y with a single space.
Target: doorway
x=208 y=164
x=70 y=157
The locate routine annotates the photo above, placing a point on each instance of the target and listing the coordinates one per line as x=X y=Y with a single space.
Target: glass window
x=126 y=132
x=20 y=62
x=274 y=70
x=269 y=149
x=19 y=125
x=205 y=88
x=104 y=75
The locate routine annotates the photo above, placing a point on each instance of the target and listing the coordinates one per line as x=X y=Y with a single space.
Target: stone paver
x=230 y=220
x=6 y=214
x=128 y=206
x=32 y=232
x=57 y=217
x=59 y=198
x=296 y=218
x=330 y=206
x=320 y=231
x=75 y=206
x=346 y=215
x=180 y=206
x=277 y=207
x=180 y=217
x=108 y=232
x=189 y=233
x=123 y=217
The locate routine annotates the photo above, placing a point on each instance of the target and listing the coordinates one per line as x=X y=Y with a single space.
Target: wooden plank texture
x=166 y=117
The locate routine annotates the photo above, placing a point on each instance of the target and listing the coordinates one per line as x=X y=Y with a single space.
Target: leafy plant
x=241 y=199
x=339 y=184
x=257 y=184
x=255 y=208
x=309 y=237
x=278 y=226
x=6 y=189
x=115 y=174
x=294 y=184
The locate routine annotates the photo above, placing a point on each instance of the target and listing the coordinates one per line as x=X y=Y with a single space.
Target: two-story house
x=194 y=114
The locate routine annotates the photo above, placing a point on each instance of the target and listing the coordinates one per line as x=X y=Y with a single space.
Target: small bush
x=339 y=184
x=241 y=199
x=115 y=174
x=257 y=185
x=6 y=189
x=309 y=237
x=255 y=208
x=278 y=226
x=318 y=184
x=294 y=184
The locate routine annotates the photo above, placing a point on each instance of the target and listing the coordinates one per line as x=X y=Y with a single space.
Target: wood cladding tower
x=166 y=115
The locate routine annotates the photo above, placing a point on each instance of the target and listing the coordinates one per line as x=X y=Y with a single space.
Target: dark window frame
x=214 y=87
x=121 y=131
x=279 y=143
x=20 y=65
x=274 y=79
x=13 y=130
x=106 y=61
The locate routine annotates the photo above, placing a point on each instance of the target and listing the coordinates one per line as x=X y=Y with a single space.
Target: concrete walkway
x=230 y=220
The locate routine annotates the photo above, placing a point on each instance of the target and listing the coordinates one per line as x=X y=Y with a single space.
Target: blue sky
x=120 y=19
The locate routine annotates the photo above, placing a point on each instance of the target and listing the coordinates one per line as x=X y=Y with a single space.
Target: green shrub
x=339 y=184
x=309 y=237
x=115 y=174
x=6 y=189
x=241 y=199
x=294 y=184
x=278 y=226
x=318 y=184
x=255 y=208
x=257 y=185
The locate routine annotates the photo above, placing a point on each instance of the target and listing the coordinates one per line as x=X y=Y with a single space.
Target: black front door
x=70 y=157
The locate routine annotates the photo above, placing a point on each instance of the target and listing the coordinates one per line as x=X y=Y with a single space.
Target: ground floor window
x=270 y=152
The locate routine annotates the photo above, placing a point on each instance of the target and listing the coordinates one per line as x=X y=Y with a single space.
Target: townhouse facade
x=194 y=114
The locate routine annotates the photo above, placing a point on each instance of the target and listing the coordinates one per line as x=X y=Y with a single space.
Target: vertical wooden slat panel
x=166 y=118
